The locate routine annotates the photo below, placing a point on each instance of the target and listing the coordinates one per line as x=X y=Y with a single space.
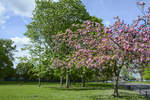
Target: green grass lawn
x=52 y=91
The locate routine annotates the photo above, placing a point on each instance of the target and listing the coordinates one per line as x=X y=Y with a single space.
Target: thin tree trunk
x=141 y=72
x=83 y=81
x=39 y=82
x=141 y=75
x=61 y=80
x=67 y=80
x=116 y=79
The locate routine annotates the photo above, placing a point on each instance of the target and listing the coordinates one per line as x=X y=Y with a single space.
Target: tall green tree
x=51 y=17
x=7 y=49
x=39 y=58
x=25 y=70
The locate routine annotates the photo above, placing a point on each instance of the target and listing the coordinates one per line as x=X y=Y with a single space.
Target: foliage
x=25 y=70
x=7 y=49
x=6 y=53
x=146 y=73
x=39 y=58
x=124 y=73
x=51 y=17
x=117 y=46
x=8 y=73
x=131 y=77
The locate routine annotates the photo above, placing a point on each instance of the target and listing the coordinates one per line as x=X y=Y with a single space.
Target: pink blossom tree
x=95 y=46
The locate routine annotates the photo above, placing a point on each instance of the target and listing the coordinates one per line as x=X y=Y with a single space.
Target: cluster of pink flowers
x=96 y=46
x=57 y=63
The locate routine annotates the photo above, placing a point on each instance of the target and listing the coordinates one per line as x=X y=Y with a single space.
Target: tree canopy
x=51 y=17
x=6 y=53
x=7 y=49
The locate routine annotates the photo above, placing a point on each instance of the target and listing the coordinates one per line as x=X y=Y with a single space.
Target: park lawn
x=52 y=91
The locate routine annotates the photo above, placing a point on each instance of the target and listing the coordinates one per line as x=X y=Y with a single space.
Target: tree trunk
x=67 y=81
x=39 y=82
x=83 y=81
x=116 y=79
x=61 y=80
x=141 y=75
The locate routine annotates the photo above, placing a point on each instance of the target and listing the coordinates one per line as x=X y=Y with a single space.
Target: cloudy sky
x=15 y=14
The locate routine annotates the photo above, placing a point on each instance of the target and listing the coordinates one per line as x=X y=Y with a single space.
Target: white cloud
x=3 y=18
x=107 y=23
x=20 y=7
x=2 y=9
x=20 y=42
x=55 y=0
x=3 y=27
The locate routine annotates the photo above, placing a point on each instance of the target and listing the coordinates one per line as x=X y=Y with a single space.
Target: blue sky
x=15 y=14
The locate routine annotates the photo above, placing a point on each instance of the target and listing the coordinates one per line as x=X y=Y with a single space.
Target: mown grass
x=52 y=91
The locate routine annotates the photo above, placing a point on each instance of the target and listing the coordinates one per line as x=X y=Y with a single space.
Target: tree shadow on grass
x=123 y=95
x=25 y=83
x=8 y=82
x=89 y=86
x=104 y=85
x=77 y=88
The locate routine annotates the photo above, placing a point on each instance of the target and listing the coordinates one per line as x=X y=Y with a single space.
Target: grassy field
x=52 y=91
